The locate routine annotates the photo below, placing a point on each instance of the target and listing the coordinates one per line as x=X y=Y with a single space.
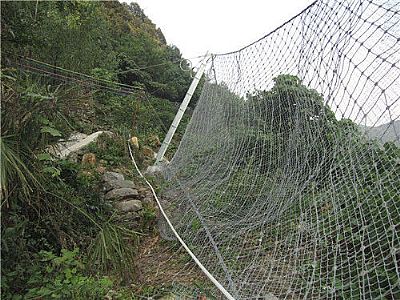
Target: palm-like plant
x=14 y=174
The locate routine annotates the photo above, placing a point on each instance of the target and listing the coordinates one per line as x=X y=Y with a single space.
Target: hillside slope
x=61 y=236
x=108 y=39
x=389 y=132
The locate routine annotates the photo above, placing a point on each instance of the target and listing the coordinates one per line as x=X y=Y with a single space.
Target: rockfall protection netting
x=286 y=183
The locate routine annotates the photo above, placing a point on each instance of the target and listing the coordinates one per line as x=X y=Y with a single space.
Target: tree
x=290 y=126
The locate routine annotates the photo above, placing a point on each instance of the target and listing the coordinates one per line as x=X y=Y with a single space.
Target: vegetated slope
x=53 y=211
x=389 y=132
x=289 y=198
x=107 y=39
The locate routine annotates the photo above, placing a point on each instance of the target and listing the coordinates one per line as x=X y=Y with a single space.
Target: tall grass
x=113 y=249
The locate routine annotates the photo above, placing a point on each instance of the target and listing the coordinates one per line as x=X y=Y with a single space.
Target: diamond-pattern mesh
x=286 y=183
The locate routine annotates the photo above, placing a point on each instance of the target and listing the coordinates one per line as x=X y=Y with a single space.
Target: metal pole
x=181 y=111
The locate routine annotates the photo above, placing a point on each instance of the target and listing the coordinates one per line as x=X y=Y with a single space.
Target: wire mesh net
x=286 y=183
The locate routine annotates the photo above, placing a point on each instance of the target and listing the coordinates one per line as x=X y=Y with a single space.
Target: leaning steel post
x=181 y=111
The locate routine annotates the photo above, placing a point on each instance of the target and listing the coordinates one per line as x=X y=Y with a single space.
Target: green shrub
x=61 y=277
x=112 y=149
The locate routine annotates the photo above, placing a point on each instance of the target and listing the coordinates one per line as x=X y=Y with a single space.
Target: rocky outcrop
x=127 y=199
x=117 y=188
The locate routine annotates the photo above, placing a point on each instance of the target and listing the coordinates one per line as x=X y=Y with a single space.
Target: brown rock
x=101 y=169
x=135 y=142
x=148 y=152
x=89 y=159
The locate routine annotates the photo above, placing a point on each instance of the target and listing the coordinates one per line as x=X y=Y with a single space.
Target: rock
x=148 y=152
x=135 y=142
x=147 y=200
x=153 y=170
x=89 y=159
x=110 y=176
x=63 y=145
x=75 y=143
x=165 y=231
x=120 y=194
x=76 y=137
x=118 y=184
x=100 y=169
x=129 y=205
x=142 y=190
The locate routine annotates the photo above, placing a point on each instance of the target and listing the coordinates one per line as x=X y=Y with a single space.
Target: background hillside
x=389 y=132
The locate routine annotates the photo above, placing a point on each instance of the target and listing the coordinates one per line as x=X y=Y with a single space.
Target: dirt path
x=164 y=264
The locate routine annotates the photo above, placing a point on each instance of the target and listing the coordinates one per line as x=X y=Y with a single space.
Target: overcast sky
x=218 y=25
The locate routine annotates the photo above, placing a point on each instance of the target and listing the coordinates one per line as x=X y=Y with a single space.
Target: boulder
x=120 y=194
x=117 y=184
x=110 y=176
x=132 y=205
